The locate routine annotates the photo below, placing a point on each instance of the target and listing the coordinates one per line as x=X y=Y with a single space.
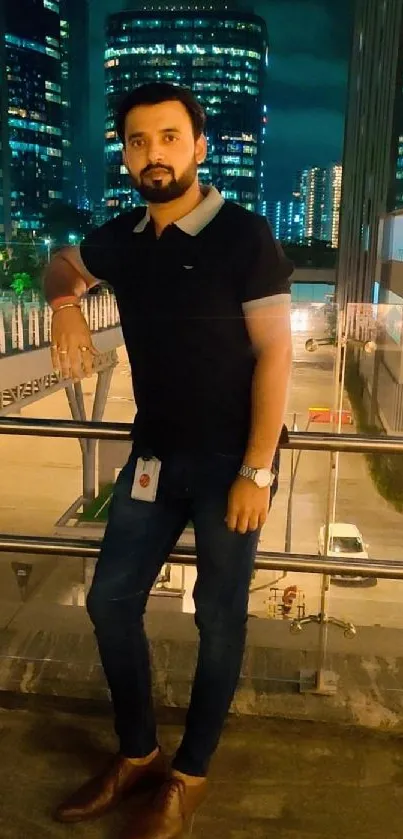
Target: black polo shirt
x=182 y=299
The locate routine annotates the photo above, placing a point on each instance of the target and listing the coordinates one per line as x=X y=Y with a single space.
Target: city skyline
x=306 y=85
x=224 y=61
x=84 y=169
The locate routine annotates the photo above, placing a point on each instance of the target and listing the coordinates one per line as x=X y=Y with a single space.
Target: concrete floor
x=286 y=780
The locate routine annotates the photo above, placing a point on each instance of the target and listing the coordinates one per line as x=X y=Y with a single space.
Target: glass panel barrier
x=367 y=494
x=55 y=487
x=299 y=509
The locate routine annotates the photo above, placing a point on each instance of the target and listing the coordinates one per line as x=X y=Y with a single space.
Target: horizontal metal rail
x=265 y=560
x=306 y=441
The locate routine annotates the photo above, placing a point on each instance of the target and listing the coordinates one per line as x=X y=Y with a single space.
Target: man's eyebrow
x=136 y=134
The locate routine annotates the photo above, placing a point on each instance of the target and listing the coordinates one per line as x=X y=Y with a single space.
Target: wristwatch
x=261 y=477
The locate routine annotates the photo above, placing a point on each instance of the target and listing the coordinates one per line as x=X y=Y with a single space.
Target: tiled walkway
x=270 y=779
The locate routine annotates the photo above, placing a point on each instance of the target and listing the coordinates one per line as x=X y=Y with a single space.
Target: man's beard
x=154 y=192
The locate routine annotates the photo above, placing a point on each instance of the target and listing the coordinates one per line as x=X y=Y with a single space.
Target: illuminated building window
x=239 y=172
x=230 y=194
x=20 y=112
x=231 y=158
x=235 y=51
x=16 y=146
x=24 y=43
x=30 y=125
x=52 y=86
x=112 y=147
x=53 y=97
x=140 y=50
x=52 y=6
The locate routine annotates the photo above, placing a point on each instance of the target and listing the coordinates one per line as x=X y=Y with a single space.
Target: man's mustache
x=156 y=169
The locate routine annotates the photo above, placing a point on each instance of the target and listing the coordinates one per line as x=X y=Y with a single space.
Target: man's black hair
x=152 y=94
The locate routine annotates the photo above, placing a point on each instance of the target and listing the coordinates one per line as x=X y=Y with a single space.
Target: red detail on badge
x=144 y=480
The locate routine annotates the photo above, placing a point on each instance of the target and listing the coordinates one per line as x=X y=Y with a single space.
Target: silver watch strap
x=248 y=472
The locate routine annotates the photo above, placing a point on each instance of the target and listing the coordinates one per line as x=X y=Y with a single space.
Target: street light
x=48 y=243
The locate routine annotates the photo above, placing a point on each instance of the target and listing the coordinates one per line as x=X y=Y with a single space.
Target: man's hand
x=72 y=349
x=248 y=505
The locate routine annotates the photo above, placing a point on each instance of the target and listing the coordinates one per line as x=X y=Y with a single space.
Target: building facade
x=320 y=191
x=74 y=46
x=286 y=219
x=223 y=59
x=370 y=269
x=373 y=151
x=43 y=109
x=31 y=111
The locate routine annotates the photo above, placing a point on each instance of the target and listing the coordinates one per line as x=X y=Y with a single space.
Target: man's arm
x=66 y=280
x=66 y=277
x=265 y=296
x=269 y=330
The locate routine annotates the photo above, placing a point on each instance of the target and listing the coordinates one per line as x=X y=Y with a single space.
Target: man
x=203 y=295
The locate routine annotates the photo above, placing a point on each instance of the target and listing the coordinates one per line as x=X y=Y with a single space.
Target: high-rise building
x=31 y=111
x=223 y=59
x=373 y=150
x=286 y=219
x=74 y=45
x=43 y=108
x=320 y=190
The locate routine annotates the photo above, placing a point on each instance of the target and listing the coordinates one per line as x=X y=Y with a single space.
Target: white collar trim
x=197 y=219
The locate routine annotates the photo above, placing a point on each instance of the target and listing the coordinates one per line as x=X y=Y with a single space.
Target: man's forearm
x=61 y=279
x=269 y=399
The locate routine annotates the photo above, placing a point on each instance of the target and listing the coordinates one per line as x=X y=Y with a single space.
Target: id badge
x=146 y=478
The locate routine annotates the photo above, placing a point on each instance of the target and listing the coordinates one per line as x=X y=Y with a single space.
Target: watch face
x=263 y=478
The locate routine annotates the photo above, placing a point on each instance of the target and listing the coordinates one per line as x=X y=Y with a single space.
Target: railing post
x=85 y=310
x=47 y=330
x=33 y=327
x=2 y=334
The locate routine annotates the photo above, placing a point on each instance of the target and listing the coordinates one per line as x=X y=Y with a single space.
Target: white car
x=346 y=542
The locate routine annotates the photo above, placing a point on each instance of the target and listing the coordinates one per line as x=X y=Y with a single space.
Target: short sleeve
x=266 y=270
x=98 y=252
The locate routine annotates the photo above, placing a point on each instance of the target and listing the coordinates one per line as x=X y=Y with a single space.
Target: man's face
x=160 y=152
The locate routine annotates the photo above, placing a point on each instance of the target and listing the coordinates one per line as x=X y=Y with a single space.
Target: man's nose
x=155 y=154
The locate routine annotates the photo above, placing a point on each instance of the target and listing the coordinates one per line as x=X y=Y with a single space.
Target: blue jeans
x=138 y=540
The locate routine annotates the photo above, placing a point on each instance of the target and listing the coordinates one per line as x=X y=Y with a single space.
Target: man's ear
x=124 y=158
x=201 y=148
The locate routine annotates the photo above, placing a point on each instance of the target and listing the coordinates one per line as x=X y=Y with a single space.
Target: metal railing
x=265 y=560
x=27 y=325
x=303 y=440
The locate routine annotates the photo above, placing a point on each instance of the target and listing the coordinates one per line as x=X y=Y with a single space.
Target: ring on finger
x=84 y=349
x=63 y=352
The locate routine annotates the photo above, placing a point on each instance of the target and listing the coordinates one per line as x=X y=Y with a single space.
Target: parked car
x=346 y=542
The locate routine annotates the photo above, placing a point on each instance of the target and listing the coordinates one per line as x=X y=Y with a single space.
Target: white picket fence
x=27 y=326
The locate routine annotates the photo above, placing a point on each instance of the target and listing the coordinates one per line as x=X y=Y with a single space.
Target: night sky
x=307 y=84
x=309 y=56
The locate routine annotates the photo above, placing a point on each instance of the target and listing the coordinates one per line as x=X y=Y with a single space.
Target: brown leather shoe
x=170 y=813
x=101 y=794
